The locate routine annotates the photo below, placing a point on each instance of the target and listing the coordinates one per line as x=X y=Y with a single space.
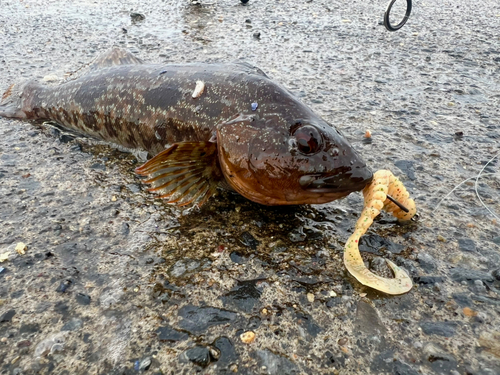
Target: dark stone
x=439 y=360
x=82 y=299
x=463 y=274
x=307 y=322
x=63 y=286
x=428 y=280
x=276 y=364
x=243 y=297
x=134 y=188
x=462 y=299
x=386 y=363
x=254 y=322
x=237 y=257
x=169 y=334
x=228 y=354
x=73 y=325
x=161 y=292
x=496 y=240
x=427 y=262
x=144 y=364
x=7 y=316
x=98 y=166
x=125 y=229
x=76 y=147
x=197 y=319
x=29 y=328
x=487 y=300
x=466 y=244
x=199 y=355
x=333 y=302
x=66 y=138
x=16 y=294
x=335 y=361
x=297 y=235
x=373 y=243
x=61 y=308
x=23 y=344
x=445 y=329
x=407 y=167
x=136 y=17
x=248 y=240
x=367 y=320
x=496 y=274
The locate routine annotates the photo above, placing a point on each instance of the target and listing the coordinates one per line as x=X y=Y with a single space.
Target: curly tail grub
x=375 y=194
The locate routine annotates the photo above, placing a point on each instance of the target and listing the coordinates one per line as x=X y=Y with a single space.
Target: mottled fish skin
x=260 y=128
x=146 y=106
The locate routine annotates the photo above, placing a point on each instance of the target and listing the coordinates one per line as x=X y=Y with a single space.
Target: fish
x=204 y=126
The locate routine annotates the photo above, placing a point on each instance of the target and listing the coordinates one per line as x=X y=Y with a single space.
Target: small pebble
x=368 y=134
x=310 y=297
x=51 y=78
x=145 y=364
x=63 y=286
x=247 y=337
x=198 y=355
x=137 y=17
x=343 y=341
x=21 y=248
x=469 y=312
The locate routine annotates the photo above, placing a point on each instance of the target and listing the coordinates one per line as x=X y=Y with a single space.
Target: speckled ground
x=115 y=282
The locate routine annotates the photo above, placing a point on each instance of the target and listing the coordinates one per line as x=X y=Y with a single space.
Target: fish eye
x=308 y=139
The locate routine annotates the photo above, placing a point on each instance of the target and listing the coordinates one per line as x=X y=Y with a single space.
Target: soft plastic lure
x=384 y=183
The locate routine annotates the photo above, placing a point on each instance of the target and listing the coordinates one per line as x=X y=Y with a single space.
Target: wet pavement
x=113 y=281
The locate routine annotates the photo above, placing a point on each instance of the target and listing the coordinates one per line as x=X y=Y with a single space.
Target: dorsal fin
x=249 y=68
x=114 y=57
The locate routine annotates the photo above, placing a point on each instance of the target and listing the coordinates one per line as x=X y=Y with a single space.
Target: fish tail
x=11 y=103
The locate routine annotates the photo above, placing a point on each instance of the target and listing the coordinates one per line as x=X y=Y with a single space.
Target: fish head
x=276 y=162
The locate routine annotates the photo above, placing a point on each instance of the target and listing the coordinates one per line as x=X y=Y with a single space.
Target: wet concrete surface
x=116 y=282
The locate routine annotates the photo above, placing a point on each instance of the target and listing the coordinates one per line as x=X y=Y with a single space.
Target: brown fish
x=207 y=125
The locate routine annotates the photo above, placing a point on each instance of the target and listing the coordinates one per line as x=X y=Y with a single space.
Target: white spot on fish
x=198 y=90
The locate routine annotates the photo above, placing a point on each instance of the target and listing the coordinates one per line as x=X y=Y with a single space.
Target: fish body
x=205 y=125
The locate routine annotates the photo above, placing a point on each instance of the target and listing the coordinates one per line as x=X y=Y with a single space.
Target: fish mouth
x=337 y=183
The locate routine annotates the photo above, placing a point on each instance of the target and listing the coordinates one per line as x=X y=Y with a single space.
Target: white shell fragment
x=51 y=78
x=198 y=90
x=21 y=248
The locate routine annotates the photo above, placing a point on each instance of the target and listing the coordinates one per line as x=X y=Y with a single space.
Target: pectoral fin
x=186 y=173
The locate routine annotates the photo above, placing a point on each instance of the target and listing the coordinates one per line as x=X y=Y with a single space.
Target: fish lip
x=335 y=183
